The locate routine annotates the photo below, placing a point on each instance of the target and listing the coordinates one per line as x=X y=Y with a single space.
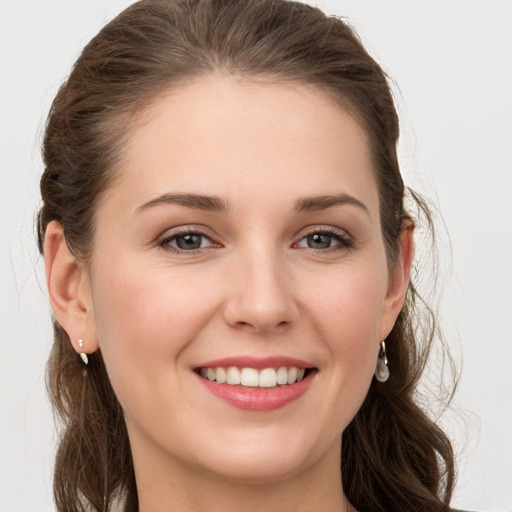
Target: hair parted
x=393 y=457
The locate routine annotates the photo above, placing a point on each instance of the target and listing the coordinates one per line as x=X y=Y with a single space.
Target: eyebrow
x=218 y=205
x=197 y=201
x=318 y=203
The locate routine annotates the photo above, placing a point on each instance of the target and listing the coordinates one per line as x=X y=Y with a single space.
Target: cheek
x=348 y=317
x=144 y=319
x=352 y=304
x=146 y=307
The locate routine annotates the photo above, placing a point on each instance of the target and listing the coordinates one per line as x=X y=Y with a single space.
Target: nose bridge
x=260 y=298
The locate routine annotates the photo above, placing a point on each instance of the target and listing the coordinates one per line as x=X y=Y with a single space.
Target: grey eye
x=319 y=241
x=189 y=242
x=323 y=240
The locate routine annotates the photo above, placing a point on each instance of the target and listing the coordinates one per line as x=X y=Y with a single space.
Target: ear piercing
x=83 y=355
x=381 y=369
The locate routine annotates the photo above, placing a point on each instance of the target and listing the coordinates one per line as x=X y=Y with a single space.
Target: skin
x=256 y=287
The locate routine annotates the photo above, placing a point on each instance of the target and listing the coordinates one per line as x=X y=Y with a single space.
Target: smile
x=256 y=384
x=252 y=377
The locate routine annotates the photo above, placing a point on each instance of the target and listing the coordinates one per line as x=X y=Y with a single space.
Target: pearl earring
x=381 y=368
x=83 y=355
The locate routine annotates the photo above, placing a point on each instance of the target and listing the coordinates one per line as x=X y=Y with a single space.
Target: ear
x=68 y=289
x=398 y=279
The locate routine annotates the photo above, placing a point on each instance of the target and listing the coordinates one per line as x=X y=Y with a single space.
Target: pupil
x=319 y=241
x=189 y=241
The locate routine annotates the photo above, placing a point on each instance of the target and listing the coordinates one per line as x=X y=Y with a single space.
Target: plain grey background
x=452 y=61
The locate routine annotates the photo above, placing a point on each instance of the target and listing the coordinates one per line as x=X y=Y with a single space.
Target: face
x=241 y=240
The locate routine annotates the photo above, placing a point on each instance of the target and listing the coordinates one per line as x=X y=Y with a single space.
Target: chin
x=261 y=469
x=257 y=459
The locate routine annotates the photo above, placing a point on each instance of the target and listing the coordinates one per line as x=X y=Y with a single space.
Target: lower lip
x=259 y=399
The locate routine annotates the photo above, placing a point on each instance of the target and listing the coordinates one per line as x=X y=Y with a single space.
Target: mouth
x=255 y=384
x=248 y=377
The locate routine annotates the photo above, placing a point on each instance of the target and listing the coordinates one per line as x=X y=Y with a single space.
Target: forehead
x=233 y=138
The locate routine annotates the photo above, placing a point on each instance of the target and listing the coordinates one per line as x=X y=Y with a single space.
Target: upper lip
x=256 y=362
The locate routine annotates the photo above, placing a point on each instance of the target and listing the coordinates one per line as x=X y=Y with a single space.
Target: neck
x=173 y=485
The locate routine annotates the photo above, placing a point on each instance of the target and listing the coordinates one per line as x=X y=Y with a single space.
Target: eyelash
x=165 y=242
x=345 y=242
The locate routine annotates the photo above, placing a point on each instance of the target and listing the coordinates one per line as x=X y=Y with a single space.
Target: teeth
x=251 y=377
x=233 y=376
x=292 y=375
x=220 y=375
x=268 y=378
x=282 y=376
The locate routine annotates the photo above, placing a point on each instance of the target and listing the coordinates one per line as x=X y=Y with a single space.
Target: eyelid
x=163 y=241
x=346 y=241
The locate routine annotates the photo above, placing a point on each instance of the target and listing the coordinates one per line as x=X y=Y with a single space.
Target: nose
x=260 y=294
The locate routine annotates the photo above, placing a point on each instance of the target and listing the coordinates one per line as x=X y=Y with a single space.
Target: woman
x=228 y=258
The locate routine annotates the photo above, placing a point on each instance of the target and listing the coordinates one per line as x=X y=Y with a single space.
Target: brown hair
x=394 y=457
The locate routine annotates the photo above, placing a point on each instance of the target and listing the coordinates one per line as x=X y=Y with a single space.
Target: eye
x=188 y=241
x=324 y=240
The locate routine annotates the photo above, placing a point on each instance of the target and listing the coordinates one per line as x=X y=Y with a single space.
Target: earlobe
x=68 y=292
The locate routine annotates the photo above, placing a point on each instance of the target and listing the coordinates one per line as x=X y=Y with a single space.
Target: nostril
x=246 y=326
x=261 y=326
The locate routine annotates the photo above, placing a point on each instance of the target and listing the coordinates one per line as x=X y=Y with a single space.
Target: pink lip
x=256 y=362
x=258 y=399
